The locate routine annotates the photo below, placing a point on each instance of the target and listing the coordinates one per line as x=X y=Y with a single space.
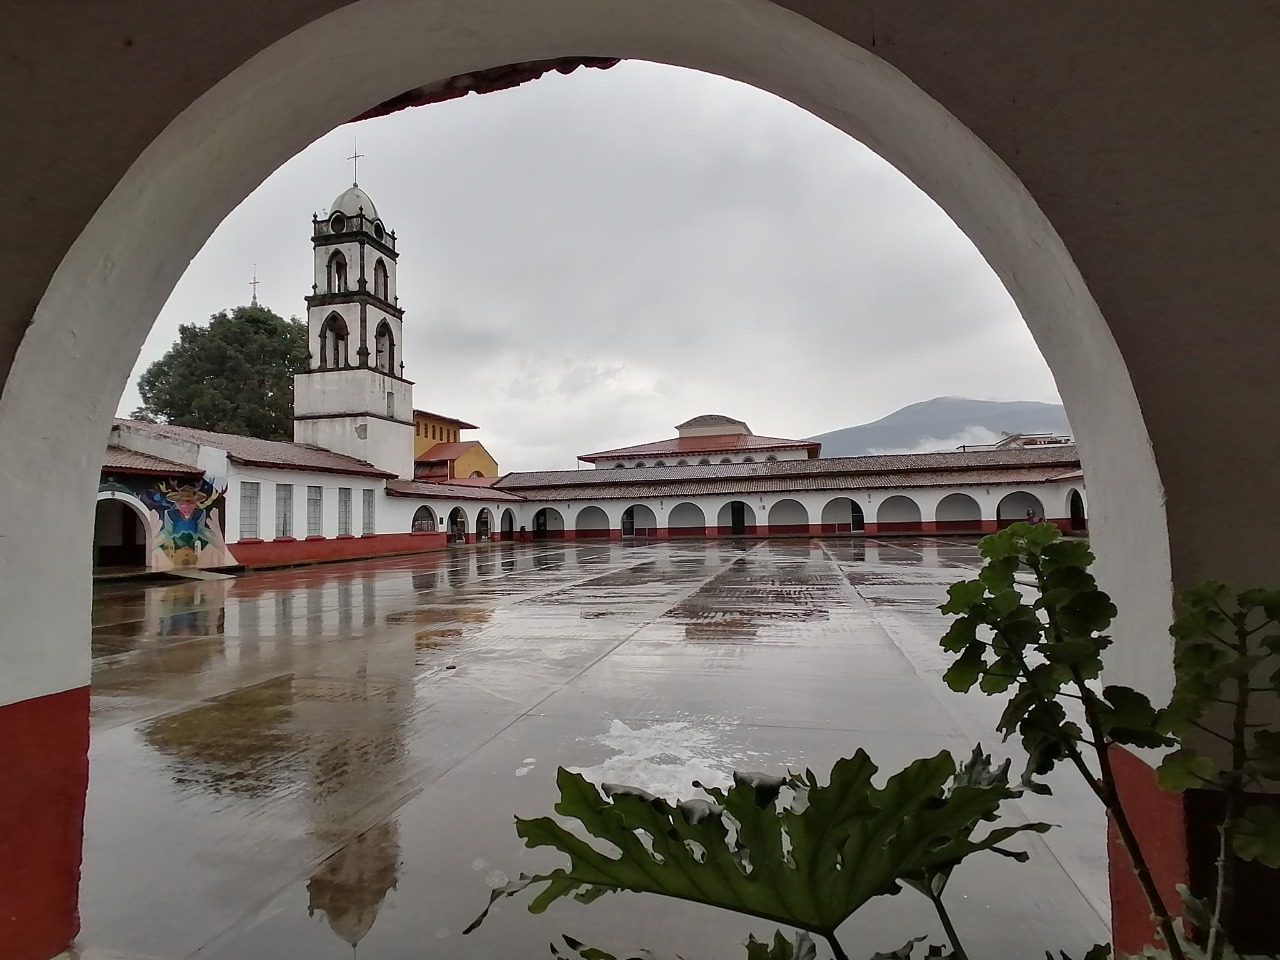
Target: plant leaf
x=1185 y=770
x=1258 y=835
x=807 y=865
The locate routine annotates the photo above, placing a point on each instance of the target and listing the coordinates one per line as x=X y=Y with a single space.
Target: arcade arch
x=1076 y=511
x=457 y=526
x=686 y=520
x=898 y=513
x=788 y=516
x=508 y=524
x=122 y=536
x=842 y=515
x=484 y=524
x=424 y=520
x=591 y=521
x=1019 y=505
x=958 y=511
x=639 y=520
x=736 y=518
x=548 y=524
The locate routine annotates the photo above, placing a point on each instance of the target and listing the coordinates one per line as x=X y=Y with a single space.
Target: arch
x=682 y=463
x=476 y=473
x=591 y=522
x=1077 y=519
x=456 y=526
x=619 y=466
x=898 y=514
x=333 y=342
x=686 y=520
x=957 y=511
x=639 y=520
x=484 y=524
x=384 y=348
x=748 y=459
x=842 y=515
x=336 y=273
x=380 y=285
x=640 y=463
x=726 y=459
x=771 y=459
x=788 y=516
x=508 y=524
x=548 y=524
x=659 y=463
x=736 y=518
x=123 y=538
x=704 y=462
x=1018 y=505
x=424 y=520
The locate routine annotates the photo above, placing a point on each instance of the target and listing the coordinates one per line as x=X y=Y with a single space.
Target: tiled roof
x=120 y=460
x=709 y=420
x=751 y=485
x=280 y=454
x=460 y=424
x=447 y=451
x=1061 y=458
x=448 y=491
x=695 y=446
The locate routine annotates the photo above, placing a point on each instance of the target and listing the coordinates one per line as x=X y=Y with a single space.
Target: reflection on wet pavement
x=299 y=763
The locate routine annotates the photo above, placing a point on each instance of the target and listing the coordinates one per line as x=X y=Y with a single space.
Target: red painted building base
x=44 y=775
x=269 y=553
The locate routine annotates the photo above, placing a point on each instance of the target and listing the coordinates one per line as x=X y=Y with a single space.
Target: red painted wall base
x=44 y=775
x=267 y=553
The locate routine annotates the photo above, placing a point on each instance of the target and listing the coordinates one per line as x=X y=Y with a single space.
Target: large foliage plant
x=1031 y=627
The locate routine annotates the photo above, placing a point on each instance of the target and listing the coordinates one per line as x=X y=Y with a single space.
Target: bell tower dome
x=353 y=398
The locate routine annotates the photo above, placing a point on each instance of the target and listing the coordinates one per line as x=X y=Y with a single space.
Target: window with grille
x=284 y=509
x=344 y=510
x=315 y=511
x=367 y=526
x=250 y=501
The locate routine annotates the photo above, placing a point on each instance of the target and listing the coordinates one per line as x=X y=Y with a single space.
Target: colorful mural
x=184 y=519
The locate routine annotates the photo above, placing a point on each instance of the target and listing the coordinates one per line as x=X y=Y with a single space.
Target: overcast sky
x=586 y=261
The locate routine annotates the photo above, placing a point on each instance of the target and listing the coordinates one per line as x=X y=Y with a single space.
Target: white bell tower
x=353 y=397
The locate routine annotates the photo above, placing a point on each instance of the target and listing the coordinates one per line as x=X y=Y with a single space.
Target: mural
x=184 y=520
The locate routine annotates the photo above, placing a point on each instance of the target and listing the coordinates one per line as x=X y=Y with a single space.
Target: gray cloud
x=588 y=260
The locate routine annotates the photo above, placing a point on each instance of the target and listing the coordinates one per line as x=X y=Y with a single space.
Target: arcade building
x=368 y=474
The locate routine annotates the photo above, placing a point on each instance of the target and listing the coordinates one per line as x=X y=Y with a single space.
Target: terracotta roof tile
x=1062 y=458
x=281 y=454
x=460 y=424
x=448 y=491
x=447 y=451
x=694 y=446
x=120 y=460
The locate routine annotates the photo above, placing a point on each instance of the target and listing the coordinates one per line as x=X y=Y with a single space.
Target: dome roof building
x=351 y=201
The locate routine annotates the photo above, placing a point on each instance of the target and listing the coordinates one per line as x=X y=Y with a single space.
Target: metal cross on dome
x=355 y=162
x=254 y=285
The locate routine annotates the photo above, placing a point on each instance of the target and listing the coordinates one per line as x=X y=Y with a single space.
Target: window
x=748 y=459
x=726 y=460
x=333 y=342
x=659 y=463
x=704 y=462
x=250 y=491
x=344 y=511
x=771 y=459
x=315 y=511
x=368 y=525
x=417 y=429
x=682 y=463
x=433 y=431
x=337 y=273
x=380 y=279
x=284 y=509
x=391 y=404
x=384 y=349
x=641 y=463
x=618 y=466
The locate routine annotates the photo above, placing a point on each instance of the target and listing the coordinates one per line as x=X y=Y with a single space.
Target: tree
x=233 y=375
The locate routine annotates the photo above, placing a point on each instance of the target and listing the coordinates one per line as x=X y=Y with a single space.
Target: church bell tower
x=353 y=397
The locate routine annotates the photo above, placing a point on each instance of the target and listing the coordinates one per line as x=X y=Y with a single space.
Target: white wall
x=301 y=479
x=692 y=460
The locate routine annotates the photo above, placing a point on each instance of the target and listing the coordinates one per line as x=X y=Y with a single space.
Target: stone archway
x=122 y=534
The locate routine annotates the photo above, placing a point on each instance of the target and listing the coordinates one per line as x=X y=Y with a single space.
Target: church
x=368 y=474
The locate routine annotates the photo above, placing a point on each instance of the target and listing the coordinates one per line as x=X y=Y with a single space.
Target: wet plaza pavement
x=290 y=763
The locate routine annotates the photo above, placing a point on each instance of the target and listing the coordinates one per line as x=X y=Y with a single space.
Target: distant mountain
x=944 y=423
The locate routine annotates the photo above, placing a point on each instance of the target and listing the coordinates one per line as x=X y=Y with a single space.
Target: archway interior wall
x=789 y=516
x=95 y=314
x=104 y=536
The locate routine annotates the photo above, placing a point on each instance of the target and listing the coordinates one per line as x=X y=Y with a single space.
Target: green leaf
x=1128 y=717
x=1264 y=758
x=907 y=951
x=964 y=672
x=802 y=948
x=1257 y=835
x=1185 y=770
x=808 y=860
x=964 y=596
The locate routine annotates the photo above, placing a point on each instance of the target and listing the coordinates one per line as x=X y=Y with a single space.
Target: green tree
x=233 y=375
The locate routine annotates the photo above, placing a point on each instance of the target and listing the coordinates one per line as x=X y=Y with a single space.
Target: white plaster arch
x=592 y=519
x=88 y=327
x=788 y=512
x=841 y=512
x=424 y=515
x=898 y=508
x=724 y=514
x=686 y=516
x=644 y=517
x=958 y=507
x=156 y=560
x=1013 y=506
